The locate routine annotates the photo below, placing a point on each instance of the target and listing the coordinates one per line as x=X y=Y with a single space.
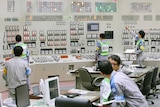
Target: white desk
x=137 y=75
x=90 y=95
x=43 y=70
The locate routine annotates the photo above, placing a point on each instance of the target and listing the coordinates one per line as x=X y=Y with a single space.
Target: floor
x=64 y=86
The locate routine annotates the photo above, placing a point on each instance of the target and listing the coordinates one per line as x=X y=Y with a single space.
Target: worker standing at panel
x=139 y=39
x=19 y=42
x=16 y=71
x=25 y=54
x=102 y=50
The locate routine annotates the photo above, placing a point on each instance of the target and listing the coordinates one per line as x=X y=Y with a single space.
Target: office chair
x=88 y=81
x=146 y=86
x=158 y=82
x=154 y=82
x=22 y=96
x=72 y=102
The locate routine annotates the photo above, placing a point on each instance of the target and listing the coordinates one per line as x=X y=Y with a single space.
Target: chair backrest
x=22 y=96
x=72 y=102
x=147 y=83
x=86 y=79
x=154 y=78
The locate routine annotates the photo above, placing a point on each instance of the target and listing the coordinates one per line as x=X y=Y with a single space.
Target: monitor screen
x=108 y=34
x=52 y=89
x=42 y=86
x=0 y=100
x=36 y=90
x=92 y=26
x=22 y=96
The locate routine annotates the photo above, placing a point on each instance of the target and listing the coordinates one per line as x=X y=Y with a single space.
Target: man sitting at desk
x=115 y=61
x=123 y=87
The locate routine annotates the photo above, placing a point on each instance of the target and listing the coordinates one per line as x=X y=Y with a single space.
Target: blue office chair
x=72 y=102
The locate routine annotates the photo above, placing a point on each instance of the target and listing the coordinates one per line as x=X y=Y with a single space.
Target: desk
x=137 y=75
x=85 y=94
x=129 y=52
x=91 y=95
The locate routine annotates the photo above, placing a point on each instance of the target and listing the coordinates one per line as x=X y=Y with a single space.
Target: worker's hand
x=127 y=28
x=28 y=71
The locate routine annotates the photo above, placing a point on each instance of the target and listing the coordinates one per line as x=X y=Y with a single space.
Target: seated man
x=123 y=87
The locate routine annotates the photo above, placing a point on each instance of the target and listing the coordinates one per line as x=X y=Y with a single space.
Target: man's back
x=127 y=87
x=16 y=68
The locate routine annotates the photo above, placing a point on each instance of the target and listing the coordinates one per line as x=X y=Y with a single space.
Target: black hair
x=18 y=38
x=18 y=50
x=102 y=35
x=116 y=58
x=105 y=67
x=142 y=33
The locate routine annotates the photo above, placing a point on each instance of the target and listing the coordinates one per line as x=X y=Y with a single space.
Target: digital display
x=109 y=7
x=53 y=88
x=108 y=34
x=93 y=27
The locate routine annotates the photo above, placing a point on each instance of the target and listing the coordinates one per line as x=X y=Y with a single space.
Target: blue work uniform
x=25 y=54
x=25 y=57
x=139 y=49
x=16 y=74
x=125 y=89
x=102 y=50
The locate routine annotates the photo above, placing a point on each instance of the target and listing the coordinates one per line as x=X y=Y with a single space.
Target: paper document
x=108 y=102
x=87 y=97
x=79 y=91
x=130 y=51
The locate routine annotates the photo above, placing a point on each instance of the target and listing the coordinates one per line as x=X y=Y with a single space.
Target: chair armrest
x=97 y=81
x=158 y=81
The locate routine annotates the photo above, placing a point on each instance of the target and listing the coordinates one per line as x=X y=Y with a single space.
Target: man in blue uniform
x=139 y=46
x=102 y=50
x=124 y=89
x=16 y=70
x=25 y=54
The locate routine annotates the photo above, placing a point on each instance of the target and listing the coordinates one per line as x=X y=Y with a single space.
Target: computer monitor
x=92 y=26
x=42 y=86
x=22 y=96
x=36 y=90
x=52 y=89
x=0 y=100
x=72 y=102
